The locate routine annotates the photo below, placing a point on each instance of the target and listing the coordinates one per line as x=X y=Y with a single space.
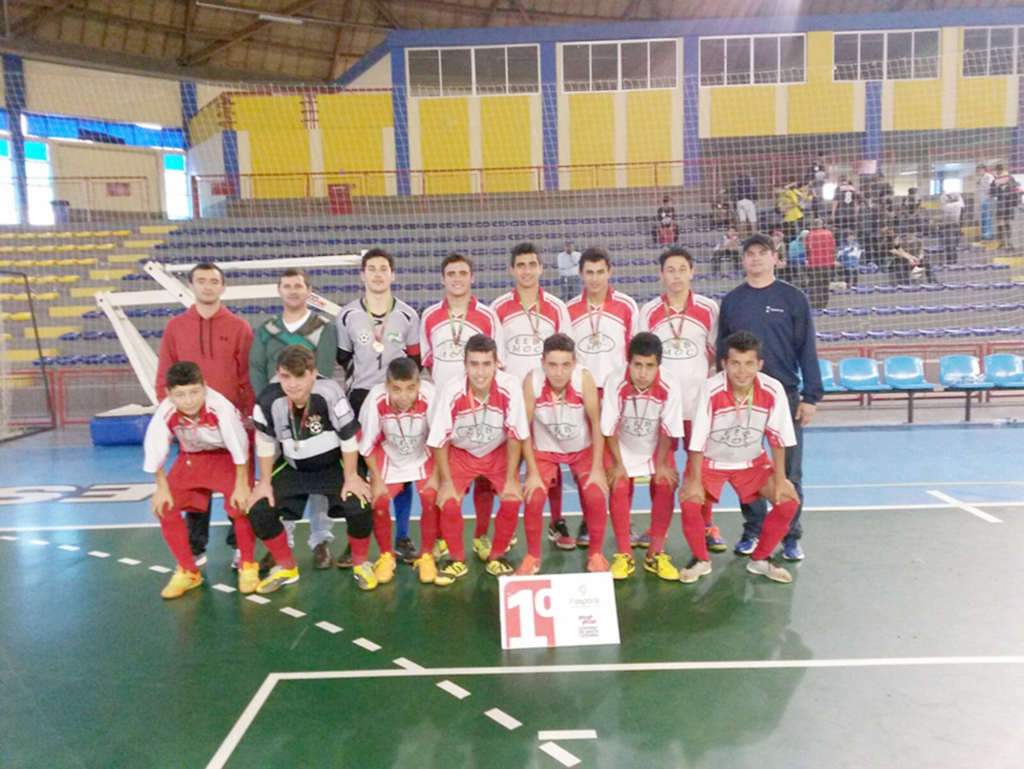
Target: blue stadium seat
x=931 y=333
x=983 y=331
x=958 y=332
x=861 y=375
x=829 y=336
x=963 y=373
x=828 y=376
x=885 y=310
x=880 y=334
x=859 y=311
x=906 y=333
x=1005 y=371
x=854 y=336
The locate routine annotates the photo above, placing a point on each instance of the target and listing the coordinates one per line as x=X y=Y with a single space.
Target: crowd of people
x=502 y=399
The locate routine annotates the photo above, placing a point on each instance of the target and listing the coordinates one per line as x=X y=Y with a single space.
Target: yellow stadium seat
x=84 y=234
x=26 y=235
x=50 y=297
x=105 y=246
x=66 y=248
x=6 y=263
x=45 y=249
x=87 y=262
x=45 y=262
x=62 y=235
x=121 y=233
x=8 y=235
x=108 y=274
x=21 y=316
x=7 y=249
x=87 y=247
x=69 y=278
x=102 y=233
x=9 y=279
x=50 y=332
x=26 y=249
x=66 y=262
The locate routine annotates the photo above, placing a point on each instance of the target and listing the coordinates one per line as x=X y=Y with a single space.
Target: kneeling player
x=310 y=420
x=478 y=432
x=641 y=414
x=737 y=408
x=564 y=412
x=396 y=421
x=213 y=455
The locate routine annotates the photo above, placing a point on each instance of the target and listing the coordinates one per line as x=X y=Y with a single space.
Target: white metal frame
x=751 y=71
x=143 y=360
x=1018 y=39
x=885 y=54
x=472 y=69
x=618 y=64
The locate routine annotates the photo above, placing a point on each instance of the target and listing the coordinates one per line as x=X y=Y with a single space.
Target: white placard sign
x=558 y=610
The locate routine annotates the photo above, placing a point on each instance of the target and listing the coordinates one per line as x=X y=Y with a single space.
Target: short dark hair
x=758 y=238
x=645 y=343
x=520 y=249
x=183 y=373
x=454 y=258
x=295 y=272
x=402 y=370
x=559 y=343
x=595 y=254
x=668 y=253
x=481 y=343
x=206 y=266
x=377 y=253
x=742 y=341
x=296 y=359
x=999 y=166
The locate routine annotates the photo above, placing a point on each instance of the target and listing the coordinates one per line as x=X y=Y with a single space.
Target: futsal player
x=213 y=456
x=308 y=420
x=738 y=408
x=477 y=432
x=641 y=415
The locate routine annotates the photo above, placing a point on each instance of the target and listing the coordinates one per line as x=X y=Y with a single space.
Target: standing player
x=641 y=415
x=528 y=316
x=395 y=422
x=213 y=456
x=372 y=331
x=478 y=432
x=564 y=413
x=297 y=324
x=739 y=407
x=308 y=419
x=845 y=203
x=687 y=325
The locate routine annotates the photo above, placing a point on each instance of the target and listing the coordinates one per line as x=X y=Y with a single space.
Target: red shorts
x=466 y=468
x=428 y=468
x=579 y=463
x=747 y=482
x=426 y=497
x=195 y=477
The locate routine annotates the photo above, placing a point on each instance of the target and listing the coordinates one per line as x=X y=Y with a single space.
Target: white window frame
x=885 y=54
x=778 y=69
x=472 y=69
x=1018 y=41
x=618 y=60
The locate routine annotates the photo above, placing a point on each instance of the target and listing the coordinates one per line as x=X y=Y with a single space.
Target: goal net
x=25 y=391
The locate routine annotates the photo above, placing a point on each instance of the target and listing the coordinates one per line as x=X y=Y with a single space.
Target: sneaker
x=365 y=576
x=181 y=583
x=499 y=567
x=440 y=549
x=427 y=568
x=278 y=578
x=661 y=564
x=200 y=559
x=236 y=559
x=482 y=547
x=622 y=565
x=582 y=536
x=528 y=566
x=745 y=546
x=714 y=539
x=384 y=568
x=345 y=562
x=513 y=542
x=322 y=556
x=644 y=540
x=792 y=551
x=694 y=570
x=558 y=532
x=406 y=550
x=248 y=577
x=267 y=563
x=451 y=571
x=597 y=563
x=768 y=569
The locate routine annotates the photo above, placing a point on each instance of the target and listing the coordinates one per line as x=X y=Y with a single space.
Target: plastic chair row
x=65 y=234
x=917 y=333
x=49 y=249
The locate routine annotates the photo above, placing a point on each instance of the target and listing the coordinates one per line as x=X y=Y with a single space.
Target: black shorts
x=292 y=488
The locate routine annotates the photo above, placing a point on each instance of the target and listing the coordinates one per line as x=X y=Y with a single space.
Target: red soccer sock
x=382 y=522
x=360 y=548
x=505 y=527
x=775 y=526
x=533 y=522
x=246 y=538
x=693 y=530
x=483 y=504
x=662 y=502
x=708 y=512
x=555 y=497
x=278 y=547
x=620 y=516
x=429 y=522
x=595 y=513
x=451 y=529
x=172 y=526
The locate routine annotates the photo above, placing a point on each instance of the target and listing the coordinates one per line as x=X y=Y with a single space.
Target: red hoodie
x=821 y=248
x=220 y=345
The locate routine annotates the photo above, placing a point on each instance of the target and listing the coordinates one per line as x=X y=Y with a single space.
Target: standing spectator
x=909 y=260
x=848 y=258
x=791 y=203
x=780 y=316
x=569 y=284
x=816 y=177
x=727 y=248
x=845 y=203
x=952 y=211
x=744 y=195
x=982 y=211
x=910 y=213
x=1005 y=197
x=821 y=258
x=666 y=230
x=721 y=210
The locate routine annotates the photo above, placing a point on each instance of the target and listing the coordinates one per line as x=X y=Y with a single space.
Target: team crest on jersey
x=394 y=337
x=525 y=345
x=315 y=424
x=639 y=426
x=481 y=434
x=445 y=352
x=595 y=344
x=364 y=337
x=405 y=445
x=679 y=349
x=736 y=437
x=562 y=431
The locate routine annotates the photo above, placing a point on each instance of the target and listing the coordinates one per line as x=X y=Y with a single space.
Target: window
x=627 y=66
x=40 y=183
x=759 y=60
x=913 y=54
x=474 y=71
x=993 y=51
x=8 y=199
x=176 y=188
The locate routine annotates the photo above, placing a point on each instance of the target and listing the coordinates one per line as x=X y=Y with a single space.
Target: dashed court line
x=99 y=554
x=567 y=734
x=160 y=569
x=453 y=689
x=367 y=644
x=292 y=612
x=560 y=754
x=220 y=586
x=402 y=662
x=38 y=542
x=257 y=599
x=965 y=507
x=500 y=716
x=330 y=627
x=69 y=548
x=129 y=561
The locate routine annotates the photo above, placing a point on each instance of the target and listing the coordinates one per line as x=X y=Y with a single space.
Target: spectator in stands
x=744 y=196
x=952 y=211
x=848 y=258
x=869 y=226
x=845 y=203
x=792 y=201
x=909 y=220
x=721 y=210
x=782 y=271
x=796 y=260
x=821 y=258
x=817 y=176
x=909 y=260
x=1005 y=197
x=727 y=248
x=569 y=284
x=982 y=211
x=665 y=228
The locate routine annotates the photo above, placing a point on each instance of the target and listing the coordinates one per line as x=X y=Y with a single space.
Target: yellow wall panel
x=444 y=128
x=207 y=122
x=353 y=127
x=648 y=134
x=505 y=136
x=917 y=105
x=819 y=105
x=980 y=102
x=278 y=144
x=592 y=138
x=743 y=111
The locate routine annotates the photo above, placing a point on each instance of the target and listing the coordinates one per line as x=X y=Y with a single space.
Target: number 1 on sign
x=532 y=605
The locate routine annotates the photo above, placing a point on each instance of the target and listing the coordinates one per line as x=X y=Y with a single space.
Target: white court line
x=560 y=754
x=238 y=730
x=453 y=689
x=160 y=569
x=330 y=627
x=99 y=554
x=69 y=548
x=367 y=644
x=293 y=612
x=567 y=734
x=38 y=542
x=7 y=538
x=257 y=599
x=128 y=561
x=225 y=588
x=402 y=662
x=503 y=718
x=965 y=507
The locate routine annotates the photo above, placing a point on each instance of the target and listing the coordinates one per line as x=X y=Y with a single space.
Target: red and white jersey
x=602 y=333
x=402 y=435
x=524 y=330
x=439 y=350
x=217 y=426
x=479 y=428
x=687 y=339
x=560 y=423
x=731 y=435
x=638 y=417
